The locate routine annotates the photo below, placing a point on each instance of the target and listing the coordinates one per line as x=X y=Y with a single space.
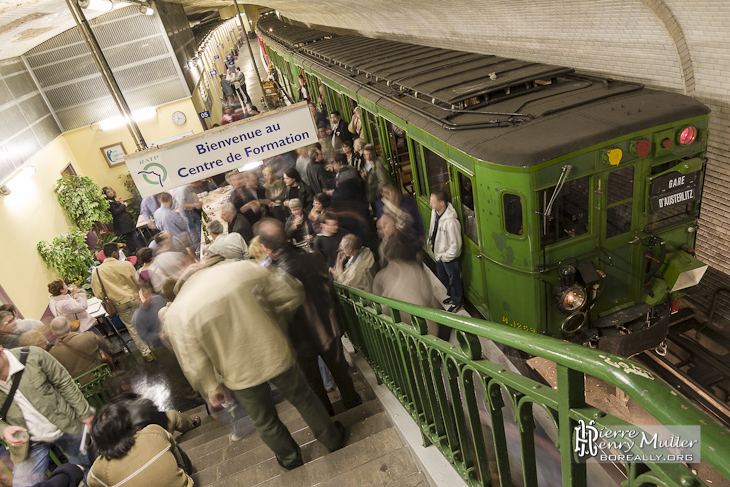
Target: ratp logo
x=586 y=436
x=154 y=169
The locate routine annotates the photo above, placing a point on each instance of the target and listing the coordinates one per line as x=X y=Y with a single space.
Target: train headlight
x=572 y=299
x=569 y=295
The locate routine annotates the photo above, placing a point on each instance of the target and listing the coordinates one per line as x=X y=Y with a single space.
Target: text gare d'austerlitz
x=248 y=151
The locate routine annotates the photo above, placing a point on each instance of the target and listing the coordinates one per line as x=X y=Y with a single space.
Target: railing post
x=571 y=394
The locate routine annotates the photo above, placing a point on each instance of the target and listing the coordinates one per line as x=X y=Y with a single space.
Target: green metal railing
x=97 y=390
x=445 y=387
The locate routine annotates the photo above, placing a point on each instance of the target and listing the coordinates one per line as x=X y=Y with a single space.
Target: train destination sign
x=673 y=189
x=232 y=146
x=671 y=181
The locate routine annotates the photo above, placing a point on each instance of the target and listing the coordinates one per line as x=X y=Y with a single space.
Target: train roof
x=496 y=109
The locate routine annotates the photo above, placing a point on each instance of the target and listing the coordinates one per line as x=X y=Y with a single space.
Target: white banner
x=221 y=149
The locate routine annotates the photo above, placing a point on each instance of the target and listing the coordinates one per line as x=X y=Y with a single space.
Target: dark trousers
x=449 y=273
x=134 y=242
x=244 y=94
x=260 y=407
x=335 y=360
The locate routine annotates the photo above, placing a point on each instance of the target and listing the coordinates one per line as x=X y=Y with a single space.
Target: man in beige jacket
x=120 y=285
x=228 y=324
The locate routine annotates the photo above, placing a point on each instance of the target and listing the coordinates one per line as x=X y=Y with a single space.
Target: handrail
x=394 y=348
x=95 y=385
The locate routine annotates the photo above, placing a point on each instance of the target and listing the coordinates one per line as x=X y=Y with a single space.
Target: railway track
x=700 y=374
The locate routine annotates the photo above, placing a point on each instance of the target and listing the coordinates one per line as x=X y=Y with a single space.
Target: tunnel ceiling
x=24 y=24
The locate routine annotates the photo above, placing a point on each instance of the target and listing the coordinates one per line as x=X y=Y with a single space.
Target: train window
x=618 y=219
x=512 y=210
x=467 y=208
x=565 y=213
x=372 y=121
x=422 y=188
x=619 y=200
x=437 y=172
x=621 y=185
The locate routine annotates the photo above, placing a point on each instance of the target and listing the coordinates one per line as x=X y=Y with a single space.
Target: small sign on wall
x=204 y=115
x=114 y=154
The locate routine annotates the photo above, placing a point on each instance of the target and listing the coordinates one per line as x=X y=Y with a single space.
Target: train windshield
x=569 y=215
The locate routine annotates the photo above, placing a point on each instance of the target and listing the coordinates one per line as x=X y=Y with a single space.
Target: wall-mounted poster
x=114 y=154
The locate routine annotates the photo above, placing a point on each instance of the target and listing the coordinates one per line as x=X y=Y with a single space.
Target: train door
x=463 y=198
x=617 y=232
x=398 y=156
x=373 y=131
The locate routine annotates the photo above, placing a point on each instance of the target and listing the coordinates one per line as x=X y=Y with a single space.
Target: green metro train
x=578 y=195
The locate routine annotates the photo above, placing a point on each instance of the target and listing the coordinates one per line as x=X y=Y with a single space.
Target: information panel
x=221 y=149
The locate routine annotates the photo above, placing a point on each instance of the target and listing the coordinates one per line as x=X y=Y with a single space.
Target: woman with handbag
x=71 y=303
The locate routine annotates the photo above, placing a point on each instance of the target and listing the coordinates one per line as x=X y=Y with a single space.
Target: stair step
x=270 y=474
x=209 y=423
x=413 y=480
x=361 y=422
x=394 y=468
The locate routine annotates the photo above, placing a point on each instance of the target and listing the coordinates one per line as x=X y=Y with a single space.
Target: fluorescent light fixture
x=251 y=166
x=18 y=181
x=100 y=5
x=137 y=116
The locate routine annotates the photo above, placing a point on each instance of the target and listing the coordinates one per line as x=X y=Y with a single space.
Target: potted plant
x=69 y=255
x=83 y=201
x=133 y=204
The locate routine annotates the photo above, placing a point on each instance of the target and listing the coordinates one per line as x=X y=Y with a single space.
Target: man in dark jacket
x=315 y=329
x=339 y=130
x=237 y=222
x=317 y=174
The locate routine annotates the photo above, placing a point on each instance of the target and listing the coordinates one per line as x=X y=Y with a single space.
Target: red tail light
x=687 y=136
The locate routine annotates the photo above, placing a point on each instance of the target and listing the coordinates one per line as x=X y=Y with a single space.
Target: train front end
x=618 y=226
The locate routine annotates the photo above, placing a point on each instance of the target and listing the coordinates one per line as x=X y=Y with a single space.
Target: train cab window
x=620 y=201
x=565 y=211
x=467 y=208
x=512 y=210
x=422 y=188
x=437 y=172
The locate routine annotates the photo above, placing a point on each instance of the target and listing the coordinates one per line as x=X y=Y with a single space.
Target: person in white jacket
x=445 y=242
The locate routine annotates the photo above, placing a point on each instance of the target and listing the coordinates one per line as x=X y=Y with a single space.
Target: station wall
x=31 y=212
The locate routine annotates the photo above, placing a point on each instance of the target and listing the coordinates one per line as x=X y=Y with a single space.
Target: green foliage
x=83 y=201
x=134 y=203
x=129 y=185
x=68 y=255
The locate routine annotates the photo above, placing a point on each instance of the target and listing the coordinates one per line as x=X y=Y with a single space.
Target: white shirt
x=39 y=428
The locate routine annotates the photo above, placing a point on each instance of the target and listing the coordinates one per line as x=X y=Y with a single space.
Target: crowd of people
x=249 y=306
x=236 y=102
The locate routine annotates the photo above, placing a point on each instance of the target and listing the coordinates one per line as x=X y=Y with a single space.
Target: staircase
x=374 y=453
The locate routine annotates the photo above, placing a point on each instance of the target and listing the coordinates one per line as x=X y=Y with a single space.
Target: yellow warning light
x=614 y=156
